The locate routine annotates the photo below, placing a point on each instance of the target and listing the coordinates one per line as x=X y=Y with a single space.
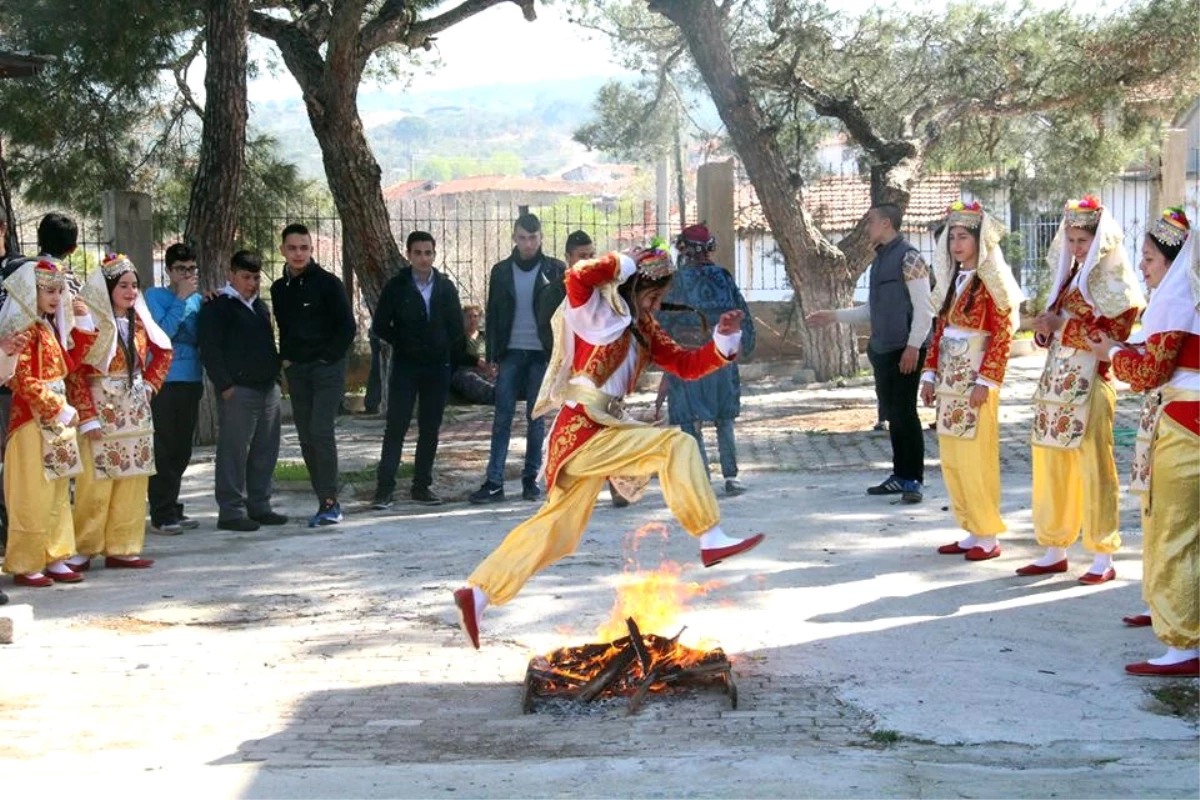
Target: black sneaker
x=425 y=497
x=269 y=518
x=382 y=502
x=912 y=492
x=242 y=524
x=892 y=485
x=188 y=524
x=530 y=490
x=488 y=493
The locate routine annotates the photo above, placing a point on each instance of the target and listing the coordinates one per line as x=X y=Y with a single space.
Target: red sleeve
x=995 y=358
x=583 y=278
x=1148 y=370
x=931 y=355
x=686 y=364
x=28 y=386
x=79 y=393
x=1078 y=330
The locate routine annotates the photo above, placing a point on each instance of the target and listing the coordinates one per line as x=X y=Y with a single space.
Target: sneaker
x=382 y=502
x=892 y=485
x=530 y=490
x=912 y=492
x=243 y=524
x=330 y=513
x=3 y=598
x=170 y=528
x=880 y=426
x=488 y=493
x=425 y=497
x=734 y=487
x=269 y=518
x=188 y=524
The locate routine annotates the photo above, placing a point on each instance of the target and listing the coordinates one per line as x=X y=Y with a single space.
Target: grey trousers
x=247 y=449
x=317 y=390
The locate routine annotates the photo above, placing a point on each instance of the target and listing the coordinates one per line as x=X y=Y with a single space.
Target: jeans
x=410 y=384
x=518 y=368
x=374 y=382
x=898 y=393
x=726 y=446
x=247 y=449
x=317 y=390
x=176 y=408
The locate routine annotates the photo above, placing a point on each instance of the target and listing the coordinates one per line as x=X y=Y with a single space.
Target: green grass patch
x=296 y=471
x=885 y=737
x=1180 y=699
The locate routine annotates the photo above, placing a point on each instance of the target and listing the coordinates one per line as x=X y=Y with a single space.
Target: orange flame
x=655 y=600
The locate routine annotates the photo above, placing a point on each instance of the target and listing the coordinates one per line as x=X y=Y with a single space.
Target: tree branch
x=420 y=34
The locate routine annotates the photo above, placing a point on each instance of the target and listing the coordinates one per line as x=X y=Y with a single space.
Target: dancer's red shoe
x=464 y=600
x=715 y=555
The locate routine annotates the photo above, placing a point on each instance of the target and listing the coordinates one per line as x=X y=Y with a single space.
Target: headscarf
x=20 y=309
x=1106 y=278
x=99 y=301
x=1174 y=302
x=990 y=265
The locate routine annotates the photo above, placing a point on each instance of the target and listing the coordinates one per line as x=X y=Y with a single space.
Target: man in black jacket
x=420 y=316
x=237 y=347
x=523 y=292
x=316 y=328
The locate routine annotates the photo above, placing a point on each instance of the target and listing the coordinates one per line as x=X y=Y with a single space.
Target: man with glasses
x=176 y=309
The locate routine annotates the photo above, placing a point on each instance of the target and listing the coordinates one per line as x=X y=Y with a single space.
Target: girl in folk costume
x=1165 y=365
x=112 y=392
x=978 y=303
x=1095 y=292
x=605 y=335
x=42 y=452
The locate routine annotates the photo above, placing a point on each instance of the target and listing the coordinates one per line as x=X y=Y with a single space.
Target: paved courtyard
x=327 y=663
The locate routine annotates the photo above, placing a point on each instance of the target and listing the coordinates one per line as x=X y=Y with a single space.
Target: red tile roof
x=491 y=184
x=405 y=190
x=837 y=203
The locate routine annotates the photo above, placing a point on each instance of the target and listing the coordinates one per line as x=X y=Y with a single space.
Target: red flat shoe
x=84 y=567
x=715 y=555
x=464 y=600
x=127 y=563
x=1091 y=578
x=951 y=549
x=979 y=554
x=25 y=580
x=1034 y=569
x=64 y=577
x=1184 y=669
x=1137 y=620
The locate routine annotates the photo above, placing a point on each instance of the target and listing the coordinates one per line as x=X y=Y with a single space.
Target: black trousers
x=317 y=390
x=176 y=408
x=898 y=394
x=410 y=384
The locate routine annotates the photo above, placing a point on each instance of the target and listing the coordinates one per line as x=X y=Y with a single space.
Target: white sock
x=1146 y=613
x=1101 y=563
x=59 y=567
x=969 y=542
x=125 y=558
x=34 y=575
x=1174 y=656
x=77 y=561
x=1053 y=556
x=988 y=543
x=481 y=601
x=715 y=537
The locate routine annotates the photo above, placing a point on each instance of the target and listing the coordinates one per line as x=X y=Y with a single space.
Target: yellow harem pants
x=110 y=514
x=554 y=531
x=1080 y=486
x=1171 y=536
x=971 y=471
x=40 y=528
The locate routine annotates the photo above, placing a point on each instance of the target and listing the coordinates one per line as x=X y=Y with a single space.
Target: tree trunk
x=213 y=208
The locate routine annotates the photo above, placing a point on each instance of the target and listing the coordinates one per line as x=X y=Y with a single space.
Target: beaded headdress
x=115 y=265
x=1171 y=229
x=655 y=261
x=50 y=274
x=1083 y=213
x=964 y=215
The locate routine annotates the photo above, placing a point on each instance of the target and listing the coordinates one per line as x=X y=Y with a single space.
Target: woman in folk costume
x=112 y=392
x=1165 y=364
x=42 y=452
x=605 y=335
x=978 y=304
x=1095 y=292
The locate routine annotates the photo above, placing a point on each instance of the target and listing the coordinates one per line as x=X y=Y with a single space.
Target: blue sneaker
x=913 y=492
x=329 y=514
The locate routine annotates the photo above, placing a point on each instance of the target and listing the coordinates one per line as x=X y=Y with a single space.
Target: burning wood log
x=616 y=665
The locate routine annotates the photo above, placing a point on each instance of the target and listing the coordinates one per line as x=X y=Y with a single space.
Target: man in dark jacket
x=523 y=292
x=420 y=316
x=316 y=328
x=237 y=348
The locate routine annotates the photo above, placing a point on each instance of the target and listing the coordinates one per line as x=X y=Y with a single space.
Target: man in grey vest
x=901 y=315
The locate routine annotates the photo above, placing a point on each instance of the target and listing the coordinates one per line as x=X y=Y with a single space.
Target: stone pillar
x=714 y=203
x=1169 y=188
x=129 y=229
